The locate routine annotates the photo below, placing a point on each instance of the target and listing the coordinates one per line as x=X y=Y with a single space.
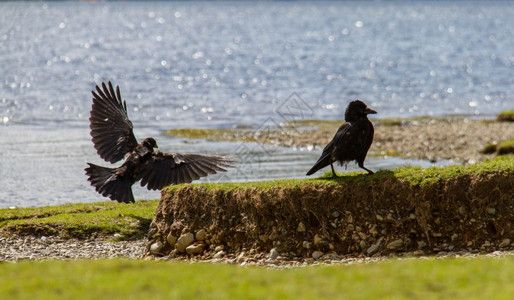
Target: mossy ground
x=414 y=174
x=501 y=148
x=506 y=116
x=450 y=278
x=80 y=220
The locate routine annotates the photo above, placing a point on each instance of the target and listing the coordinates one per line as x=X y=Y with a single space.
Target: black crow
x=351 y=141
x=113 y=139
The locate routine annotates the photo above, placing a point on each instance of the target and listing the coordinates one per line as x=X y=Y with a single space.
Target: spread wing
x=110 y=126
x=165 y=169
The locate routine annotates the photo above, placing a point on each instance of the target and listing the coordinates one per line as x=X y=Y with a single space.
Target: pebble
x=318 y=240
x=219 y=254
x=195 y=249
x=240 y=258
x=201 y=234
x=504 y=243
x=373 y=248
x=462 y=211
x=317 y=254
x=491 y=210
x=307 y=245
x=418 y=252
x=171 y=239
x=183 y=241
x=273 y=254
x=156 y=247
x=309 y=260
x=395 y=244
x=273 y=236
x=301 y=227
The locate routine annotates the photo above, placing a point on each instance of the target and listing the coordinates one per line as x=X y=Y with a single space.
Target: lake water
x=224 y=65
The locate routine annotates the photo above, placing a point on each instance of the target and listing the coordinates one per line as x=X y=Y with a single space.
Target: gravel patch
x=38 y=248
x=14 y=249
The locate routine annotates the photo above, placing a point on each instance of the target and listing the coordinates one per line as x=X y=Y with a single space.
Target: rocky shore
x=458 y=139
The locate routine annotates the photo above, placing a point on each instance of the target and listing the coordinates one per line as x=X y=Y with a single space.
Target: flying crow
x=114 y=140
x=351 y=141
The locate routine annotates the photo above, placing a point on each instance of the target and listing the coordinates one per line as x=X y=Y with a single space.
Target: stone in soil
x=183 y=241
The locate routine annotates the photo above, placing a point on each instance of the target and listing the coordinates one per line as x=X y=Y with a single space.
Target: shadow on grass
x=357 y=177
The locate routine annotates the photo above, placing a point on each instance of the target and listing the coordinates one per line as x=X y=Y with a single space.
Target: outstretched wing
x=110 y=126
x=165 y=169
x=340 y=140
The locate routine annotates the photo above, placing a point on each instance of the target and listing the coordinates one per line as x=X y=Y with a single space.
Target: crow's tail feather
x=321 y=163
x=109 y=184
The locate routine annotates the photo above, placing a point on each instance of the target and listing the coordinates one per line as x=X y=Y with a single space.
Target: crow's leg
x=361 y=165
x=334 y=175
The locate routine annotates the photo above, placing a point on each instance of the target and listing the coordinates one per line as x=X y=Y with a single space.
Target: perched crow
x=351 y=141
x=113 y=139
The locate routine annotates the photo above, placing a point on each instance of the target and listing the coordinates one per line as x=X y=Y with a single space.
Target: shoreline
x=456 y=138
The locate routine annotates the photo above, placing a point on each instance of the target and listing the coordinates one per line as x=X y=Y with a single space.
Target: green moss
x=490 y=148
x=506 y=147
x=412 y=174
x=506 y=116
x=501 y=148
x=80 y=220
x=212 y=134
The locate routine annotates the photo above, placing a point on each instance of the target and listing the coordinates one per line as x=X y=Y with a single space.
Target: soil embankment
x=458 y=208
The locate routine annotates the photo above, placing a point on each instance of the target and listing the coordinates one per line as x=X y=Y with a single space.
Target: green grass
x=80 y=220
x=455 y=278
x=412 y=174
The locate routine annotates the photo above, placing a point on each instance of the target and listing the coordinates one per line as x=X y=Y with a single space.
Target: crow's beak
x=370 y=111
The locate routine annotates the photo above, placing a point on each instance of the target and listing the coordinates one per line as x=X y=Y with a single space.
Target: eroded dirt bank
x=362 y=216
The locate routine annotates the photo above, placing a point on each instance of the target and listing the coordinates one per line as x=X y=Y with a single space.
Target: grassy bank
x=479 y=278
x=403 y=210
x=80 y=220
